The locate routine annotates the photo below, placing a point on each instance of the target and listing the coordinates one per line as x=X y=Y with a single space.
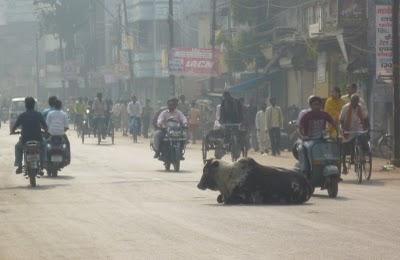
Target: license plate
x=32 y=158
x=56 y=158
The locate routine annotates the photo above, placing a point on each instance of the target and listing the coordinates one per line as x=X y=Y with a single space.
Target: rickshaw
x=229 y=139
x=89 y=129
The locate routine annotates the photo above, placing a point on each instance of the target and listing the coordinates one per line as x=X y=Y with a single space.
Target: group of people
x=344 y=116
x=53 y=121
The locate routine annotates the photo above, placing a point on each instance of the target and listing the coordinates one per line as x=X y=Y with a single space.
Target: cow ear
x=215 y=164
x=252 y=162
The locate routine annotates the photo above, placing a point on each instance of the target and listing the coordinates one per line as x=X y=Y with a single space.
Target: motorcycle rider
x=99 y=112
x=57 y=122
x=171 y=113
x=312 y=126
x=52 y=103
x=31 y=123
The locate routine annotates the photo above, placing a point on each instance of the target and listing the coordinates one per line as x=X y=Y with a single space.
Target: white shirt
x=57 y=122
x=356 y=123
x=135 y=109
x=166 y=115
x=261 y=120
x=217 y=124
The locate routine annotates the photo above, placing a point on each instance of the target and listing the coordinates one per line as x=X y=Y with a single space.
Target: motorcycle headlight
x=48 y=146
x=64 y=146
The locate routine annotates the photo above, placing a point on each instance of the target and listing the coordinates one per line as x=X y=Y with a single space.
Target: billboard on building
x=352 y=13
x=194 y=62
x=384 y=54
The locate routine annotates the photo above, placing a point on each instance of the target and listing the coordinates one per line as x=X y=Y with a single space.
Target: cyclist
x=99 y=110
x=353 y=118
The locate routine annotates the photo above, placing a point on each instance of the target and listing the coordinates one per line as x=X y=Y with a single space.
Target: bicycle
x=383 y=144
x=361 y=159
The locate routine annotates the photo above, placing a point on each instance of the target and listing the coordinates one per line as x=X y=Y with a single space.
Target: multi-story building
x=17 y=48
x=148 y=21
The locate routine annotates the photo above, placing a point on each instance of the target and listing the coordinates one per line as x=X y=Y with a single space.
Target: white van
x=17 y=107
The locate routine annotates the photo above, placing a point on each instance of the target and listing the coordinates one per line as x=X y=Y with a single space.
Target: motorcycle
x=31 y=163
x=173 y=145
x=56 y=155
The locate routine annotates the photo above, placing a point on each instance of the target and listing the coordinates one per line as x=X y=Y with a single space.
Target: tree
x=243 y=50
x=63 y=18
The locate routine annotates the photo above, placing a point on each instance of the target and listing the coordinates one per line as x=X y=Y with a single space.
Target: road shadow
x=372 y=182
x=322 y=196
x=175 y=173
x=39 y=187
x=60 y=177
x=100 y=145
x=277 y=204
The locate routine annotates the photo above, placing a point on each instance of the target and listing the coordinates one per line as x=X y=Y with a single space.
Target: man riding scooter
x=312 y=126
x=171 y=113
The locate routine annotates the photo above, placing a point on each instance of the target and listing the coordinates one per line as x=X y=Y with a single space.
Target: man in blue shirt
x=31 y=123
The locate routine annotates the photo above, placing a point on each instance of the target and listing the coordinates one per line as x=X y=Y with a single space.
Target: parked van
x=17 y=107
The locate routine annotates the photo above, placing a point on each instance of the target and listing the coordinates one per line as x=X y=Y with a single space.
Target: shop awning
x=247 y=85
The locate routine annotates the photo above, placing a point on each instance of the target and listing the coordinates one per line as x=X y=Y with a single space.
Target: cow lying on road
x=248 y=182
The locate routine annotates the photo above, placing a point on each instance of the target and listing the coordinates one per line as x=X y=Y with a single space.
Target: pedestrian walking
x=147 y=116
x=124 y=118
x=261 y=129
x=194 y=122
x=274 y=126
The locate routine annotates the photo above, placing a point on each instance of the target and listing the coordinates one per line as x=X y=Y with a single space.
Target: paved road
x=115 y=202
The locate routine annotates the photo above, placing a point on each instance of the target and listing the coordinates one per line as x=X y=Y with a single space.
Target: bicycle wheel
x=359 y=164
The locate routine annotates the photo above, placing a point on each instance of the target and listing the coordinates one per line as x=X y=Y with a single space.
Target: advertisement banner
x=194 y=62
x=384 y=55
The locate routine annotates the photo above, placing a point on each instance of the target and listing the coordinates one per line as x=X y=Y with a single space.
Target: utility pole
x=396 y=81
x=213 y=29
x=171 y=42
x=119 y=48
x=128 y=38
x=37 y=66
x=62 y=64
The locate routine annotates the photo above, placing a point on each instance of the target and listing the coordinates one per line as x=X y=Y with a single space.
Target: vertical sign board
x=384 y=55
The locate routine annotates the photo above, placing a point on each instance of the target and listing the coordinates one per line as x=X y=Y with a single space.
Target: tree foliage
x=243 y=50
x=62 y=17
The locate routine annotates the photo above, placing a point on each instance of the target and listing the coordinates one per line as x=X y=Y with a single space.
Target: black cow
x=248 y=182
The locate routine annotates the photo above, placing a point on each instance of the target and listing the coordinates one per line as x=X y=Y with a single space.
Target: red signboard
x=194 y=62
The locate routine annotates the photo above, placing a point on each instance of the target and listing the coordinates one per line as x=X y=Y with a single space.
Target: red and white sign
x=194 y=62
x=384 y=54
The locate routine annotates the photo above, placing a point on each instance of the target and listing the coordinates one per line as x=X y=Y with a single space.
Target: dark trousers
x=275 y=137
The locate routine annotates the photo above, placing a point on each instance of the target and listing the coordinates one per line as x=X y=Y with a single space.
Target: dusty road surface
x=115 y=202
